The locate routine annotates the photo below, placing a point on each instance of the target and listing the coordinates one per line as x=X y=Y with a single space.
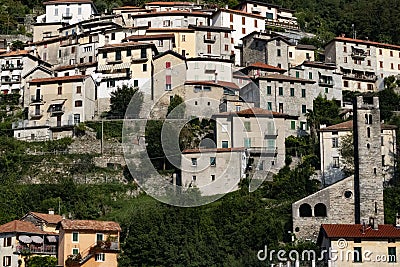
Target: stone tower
x=368 y=181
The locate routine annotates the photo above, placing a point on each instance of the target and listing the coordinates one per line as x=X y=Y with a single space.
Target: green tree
x=346 y=149
x=177 y=107
x=38 y=261
x=122 y=98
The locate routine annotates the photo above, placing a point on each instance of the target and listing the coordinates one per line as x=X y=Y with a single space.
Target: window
x=335 y=163
x=59 y=53
x=391 y=53
x=77 y=118
x=381 y=64
x=326 y=90
x=209 y=49
x=293 y=125
x=357 y=257
x=392 y=66
x=194 y=161
x=243 y=21
x=7 y=241
x=56 y=12
x=391 y=254
x=99 y=237
x=269 y=105
x=291 y=55
x=345 y=83
x=247 y=126
x=118 y=55
x=168 y=65
x=160 y=43
x=226 y=35
x=335 y=142
x=79 y=89
x=230 y=17
x=59 y=90
x=183 y=38
x=291 y=91
x=144 y=67
x=212 y=161
x=278 y=52
x=110 y=83
x=113 y=36
x=212 y=177
x=104 y=54
x=345 y=59
x=7 y=261
x=247 y=142
x=380 y=51
x=320 y=210
x=269 y=90
x=226 y=47
x=303 y=109
x=224 y=144
x=194 y=178
x=100 y=257
x=310 y=75
x=303 y=92
x=382 y=141
x=305 y=210
x=79 y=11
x=280 y=108
x=128 y=53
x=344 y=49
x=369 y=62
x=87 y=49
x=75 y=237
x=168 y=83
x=78 y=103
x=143 y=53
x=243 y=30
x=280 y=90
x=255 y=23
x=383 y=160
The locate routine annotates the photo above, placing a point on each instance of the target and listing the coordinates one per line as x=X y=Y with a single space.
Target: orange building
x=88 y=243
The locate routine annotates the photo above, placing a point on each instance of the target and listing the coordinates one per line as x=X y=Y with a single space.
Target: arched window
x=320 y=210
x=305 y=210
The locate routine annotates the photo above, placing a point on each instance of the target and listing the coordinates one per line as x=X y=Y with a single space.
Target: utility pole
x=102 y=136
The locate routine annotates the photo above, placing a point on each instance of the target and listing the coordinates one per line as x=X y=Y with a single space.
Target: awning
x=25 y=239
x=57 y=102
x=37 y=239
x=121 y=66
x=104 y=67
x=52 y=238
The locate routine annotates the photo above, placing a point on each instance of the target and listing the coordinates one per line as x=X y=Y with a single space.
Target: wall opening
x=305 y=210
x=320 y=210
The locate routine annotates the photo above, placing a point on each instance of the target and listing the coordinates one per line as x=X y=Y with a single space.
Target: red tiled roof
x=230 y=85
x=59 y=79
x=90 y=225
x=49 y=218
x=348 y=126
x=79 y=65
x=253 y=112
x=171 y=3
x=127 y=7
x=172 y=13
x=366 y=42
x=149 y=37
x=125 y=45
x=243 y=13
x=51 y=2
x=169 y=30
x=17 y=226
x=260 y=65
x=217 y=150
x=356 y=231
x=15 y=53
x=319 y=64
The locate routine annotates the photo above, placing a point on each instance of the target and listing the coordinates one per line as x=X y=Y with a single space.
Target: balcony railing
x=11 y=67
x=56 y=110
x=11 y=81
x=36 y=114
x=209 y=38
x=138 y=59
x=46 y=249
x=359 y=55
x=67 y=16
x=270 y=134
x=266 y=151
x=282 y=24
x=324 y=82
x=364 y=77
x=36 y=99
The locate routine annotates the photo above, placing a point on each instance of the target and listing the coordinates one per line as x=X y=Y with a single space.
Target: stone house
x=44 y=221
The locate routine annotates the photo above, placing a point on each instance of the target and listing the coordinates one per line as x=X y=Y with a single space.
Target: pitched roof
x=53 y=2
x=127 y=44
x=149 y=37
x=49 y=218
x=260 y=65
x=217 y=150
x=356 y=231
x=59 y=79
x=318 y=64
x=170 y=3
x=15 y=53
x=229 y=85
x=305 y=47
x=239 y=12
x=348 y=126
x=18 y=226
x=90 y=225
x=366 y=42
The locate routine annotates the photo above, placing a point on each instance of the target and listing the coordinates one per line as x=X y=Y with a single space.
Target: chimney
x=373 y=223
x=51 y=211
x=397 y=220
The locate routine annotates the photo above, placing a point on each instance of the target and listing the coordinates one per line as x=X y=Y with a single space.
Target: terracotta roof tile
x=229 y=85
x=52 y=2
x=243 y=13
x=217 y=150
x=17 y=226
x=90 y=225
x=15 y=53
x=49 y=218
x=356 y=231
x=260 y=65
x=254 y=112
x=366 y=42
x=59 y=79
x=348 y=126
x=149 y=37
x=127 y=44
x=170 y=3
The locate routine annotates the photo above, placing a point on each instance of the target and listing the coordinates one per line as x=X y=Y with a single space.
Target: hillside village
x=313 y=129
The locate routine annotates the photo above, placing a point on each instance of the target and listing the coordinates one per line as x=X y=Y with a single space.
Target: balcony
x=11 y=81
x=138 y=59
x=46 y=249
x=36 y=98
x=36 y=114
x=11 y=67
x=271 y=134
x=67 y=16
x=208 y=38
x=113 y=61
x=56 y=110
x=325 y=81
x=358 y=53
x=361 y=77
x=285 y=25
x=265 y=151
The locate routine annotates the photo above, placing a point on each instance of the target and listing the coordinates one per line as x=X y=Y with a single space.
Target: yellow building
x=46 y=222
x=366 y=245
x=88 y=243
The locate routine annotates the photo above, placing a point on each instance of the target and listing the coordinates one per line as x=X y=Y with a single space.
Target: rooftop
x=281 y=77
x=15 y=53
x=230 y=85
x=217 y=150
x=60 y=79
x=348 y=126
x=356 y=231
x=49 y=218
x=53 y=2
x=18 y=226
x=90 y=225
x=253 y=112
x=366 y=42
x=260 y=65
x=170 y=4
x=149 y=37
